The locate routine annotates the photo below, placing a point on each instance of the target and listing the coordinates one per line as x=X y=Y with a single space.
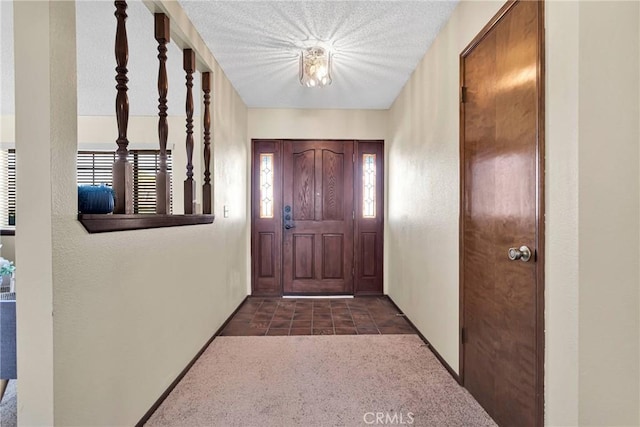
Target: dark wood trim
x=7 y=232
x=485 y=30
x=163 y=179
x=206 y=119
x=122 y=171
x=540 y=204
x=540 y=223
x=123 y=222
x=431 y=347
x=181 y=375
x=461 y=229
x=189 y=66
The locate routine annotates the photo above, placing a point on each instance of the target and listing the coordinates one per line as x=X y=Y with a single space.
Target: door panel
x=304 y=184
x=266 y=219
x=369 y=215
x=318 y=185
x=501 y=129
x=333 y=165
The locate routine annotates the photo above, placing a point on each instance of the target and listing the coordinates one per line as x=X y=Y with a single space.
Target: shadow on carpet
x=319 y=380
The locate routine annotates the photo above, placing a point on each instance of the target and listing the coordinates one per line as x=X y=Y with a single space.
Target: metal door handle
x=523 y=254
x=288 y=218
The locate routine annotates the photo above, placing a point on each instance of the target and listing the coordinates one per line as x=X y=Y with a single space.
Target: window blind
x=94 y=168
x=7 y=189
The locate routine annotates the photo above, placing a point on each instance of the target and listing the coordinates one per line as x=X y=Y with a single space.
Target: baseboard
x=181 y=375
x=432 y=348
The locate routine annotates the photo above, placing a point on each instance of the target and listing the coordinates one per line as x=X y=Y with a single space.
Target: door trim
x=540 y=202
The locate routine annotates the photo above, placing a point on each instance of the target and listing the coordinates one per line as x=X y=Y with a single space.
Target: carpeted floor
x=9 y=406
x=319 y=380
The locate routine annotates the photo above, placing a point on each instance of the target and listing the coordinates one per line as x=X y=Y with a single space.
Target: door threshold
x=317 y=296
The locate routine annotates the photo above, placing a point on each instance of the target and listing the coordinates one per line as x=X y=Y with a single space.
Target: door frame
x=358 y=223
x=540 y=202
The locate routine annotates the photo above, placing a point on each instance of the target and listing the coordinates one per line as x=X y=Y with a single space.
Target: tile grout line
x=352 y=319
x=272 y=316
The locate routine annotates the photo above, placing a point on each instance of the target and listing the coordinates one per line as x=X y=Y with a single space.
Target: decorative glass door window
x=368 y=185
x=266 y=185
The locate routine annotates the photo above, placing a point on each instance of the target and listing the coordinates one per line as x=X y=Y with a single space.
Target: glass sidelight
x=266 y=185
x=368 y=185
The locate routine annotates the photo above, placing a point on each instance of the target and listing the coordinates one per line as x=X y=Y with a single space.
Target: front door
x=502 y=223
x=318 y=217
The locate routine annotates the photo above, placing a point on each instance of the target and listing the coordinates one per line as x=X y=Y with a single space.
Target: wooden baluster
x=206 y=187
x=163 y=178
x=122 y=169
x=189 y=65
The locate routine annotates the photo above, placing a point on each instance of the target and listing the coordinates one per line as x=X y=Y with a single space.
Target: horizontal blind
x=11 y=216
x=95 y=168
x=146 y=164
x=7 y=189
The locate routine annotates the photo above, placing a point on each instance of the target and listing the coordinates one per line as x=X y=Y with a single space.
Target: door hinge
x=463 y=94
x=353 y=157
x=353 y=214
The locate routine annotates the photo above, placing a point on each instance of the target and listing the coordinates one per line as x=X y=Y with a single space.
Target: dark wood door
x=318 y=197
x=266 y=218
x=502 y=197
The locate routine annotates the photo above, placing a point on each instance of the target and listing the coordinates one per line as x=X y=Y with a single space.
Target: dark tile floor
x=332 y=316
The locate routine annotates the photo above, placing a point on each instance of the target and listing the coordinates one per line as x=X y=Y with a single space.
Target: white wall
x=130 y=309
x=592 y=217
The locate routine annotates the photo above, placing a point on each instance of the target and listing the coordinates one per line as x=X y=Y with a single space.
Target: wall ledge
x=119 y=222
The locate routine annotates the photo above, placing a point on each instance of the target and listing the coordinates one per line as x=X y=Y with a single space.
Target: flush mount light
x=315 y=67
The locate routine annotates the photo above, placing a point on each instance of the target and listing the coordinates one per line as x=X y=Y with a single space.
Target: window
x=266 y=185
x=368 y=185
x=8 y=189
x=94 y=168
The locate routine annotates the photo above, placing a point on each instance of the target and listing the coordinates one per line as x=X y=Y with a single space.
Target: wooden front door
x=317 y=217
x=502 y=142
x=318 y=198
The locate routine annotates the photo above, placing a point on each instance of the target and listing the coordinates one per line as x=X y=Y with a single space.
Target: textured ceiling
x=377 y=46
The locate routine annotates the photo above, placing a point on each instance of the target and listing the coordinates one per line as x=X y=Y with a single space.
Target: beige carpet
x=319 y=381
x=9 y=406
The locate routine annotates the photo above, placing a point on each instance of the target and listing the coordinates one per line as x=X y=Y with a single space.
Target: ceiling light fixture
x=315 y=67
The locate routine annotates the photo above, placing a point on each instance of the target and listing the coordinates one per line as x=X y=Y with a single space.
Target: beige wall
x=592 y=216
x=320 y=124
x=130 y=308
x=561 y=187
x=609 y=210
x=422 y=156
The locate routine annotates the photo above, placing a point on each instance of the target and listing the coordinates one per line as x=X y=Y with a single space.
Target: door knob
x=523 y=254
